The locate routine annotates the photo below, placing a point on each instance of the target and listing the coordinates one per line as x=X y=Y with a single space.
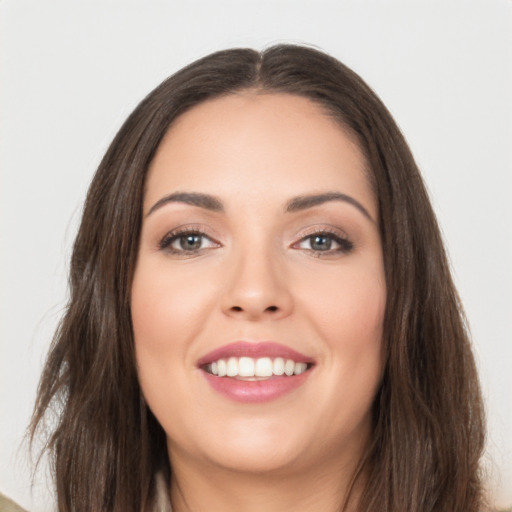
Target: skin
x=258 y=277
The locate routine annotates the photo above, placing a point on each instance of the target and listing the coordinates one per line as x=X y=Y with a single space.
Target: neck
x=326 y=486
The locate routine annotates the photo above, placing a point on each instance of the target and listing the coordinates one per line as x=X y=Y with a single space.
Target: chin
x=251 y=446
x=254 y=459
x=259 y=446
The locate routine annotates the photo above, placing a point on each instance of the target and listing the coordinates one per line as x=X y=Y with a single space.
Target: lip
x=257 y=391
x=254 y=350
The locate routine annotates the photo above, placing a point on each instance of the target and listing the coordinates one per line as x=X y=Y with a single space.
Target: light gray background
x=72 y=71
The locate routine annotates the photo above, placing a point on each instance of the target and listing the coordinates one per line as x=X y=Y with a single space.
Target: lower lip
x=255 y=391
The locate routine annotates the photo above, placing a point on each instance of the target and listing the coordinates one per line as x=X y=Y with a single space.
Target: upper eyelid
x=326 y=228
x=198 y=228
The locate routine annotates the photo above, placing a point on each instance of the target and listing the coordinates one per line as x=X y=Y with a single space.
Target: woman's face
x=259 y=254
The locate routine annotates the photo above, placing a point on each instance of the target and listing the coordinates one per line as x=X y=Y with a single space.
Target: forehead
x=260 y=145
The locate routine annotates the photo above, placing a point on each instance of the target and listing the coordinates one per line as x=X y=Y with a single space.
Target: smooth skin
x=242 y=267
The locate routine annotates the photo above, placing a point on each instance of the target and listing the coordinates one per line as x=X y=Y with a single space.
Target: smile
x=261 y=368
x=255 y=372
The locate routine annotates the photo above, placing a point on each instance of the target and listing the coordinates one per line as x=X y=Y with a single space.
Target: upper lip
x=254 y=350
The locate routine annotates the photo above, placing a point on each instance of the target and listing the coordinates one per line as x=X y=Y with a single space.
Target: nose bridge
x=256 y=283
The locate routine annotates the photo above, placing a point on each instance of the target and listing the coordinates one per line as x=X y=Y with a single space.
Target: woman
x=262 y=315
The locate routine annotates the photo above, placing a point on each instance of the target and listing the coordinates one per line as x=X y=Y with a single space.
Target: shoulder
x=7 y=505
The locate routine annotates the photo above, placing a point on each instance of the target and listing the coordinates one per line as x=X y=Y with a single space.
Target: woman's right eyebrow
x=193 y=198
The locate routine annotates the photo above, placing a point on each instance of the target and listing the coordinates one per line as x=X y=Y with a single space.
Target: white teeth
x=221 y=367
x=246 y=367
x=232 y=367
x=299 y=368
x=261 y=368
x=289 y=367
x=278 y=366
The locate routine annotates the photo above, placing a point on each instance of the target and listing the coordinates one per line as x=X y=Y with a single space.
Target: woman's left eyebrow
x=309 y=201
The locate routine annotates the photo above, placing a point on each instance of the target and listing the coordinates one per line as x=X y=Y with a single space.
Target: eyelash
x=181 y=233
x=345 y=246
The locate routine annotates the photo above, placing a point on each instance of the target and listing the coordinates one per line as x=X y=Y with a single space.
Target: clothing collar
x=162 y=499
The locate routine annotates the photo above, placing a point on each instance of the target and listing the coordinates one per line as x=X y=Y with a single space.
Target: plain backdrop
x=72 y=71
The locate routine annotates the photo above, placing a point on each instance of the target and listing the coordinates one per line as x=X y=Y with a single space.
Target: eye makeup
x=324 y=241
x=187 y=240
x=318 y=241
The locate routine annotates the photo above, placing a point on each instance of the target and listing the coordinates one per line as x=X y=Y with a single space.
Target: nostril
x=250 y=311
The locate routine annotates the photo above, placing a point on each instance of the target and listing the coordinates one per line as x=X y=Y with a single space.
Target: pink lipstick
x=255 y=372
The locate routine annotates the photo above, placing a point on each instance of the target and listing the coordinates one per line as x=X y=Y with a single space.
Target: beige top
x=163 y=502
x=162 y=505
x=7 y=505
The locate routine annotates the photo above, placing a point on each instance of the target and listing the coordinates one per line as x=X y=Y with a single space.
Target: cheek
x=166 y=308
x=347 y=312
x=348 y=305
x=166 y=316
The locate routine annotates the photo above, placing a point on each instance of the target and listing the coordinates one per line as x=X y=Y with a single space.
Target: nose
x=257 y=288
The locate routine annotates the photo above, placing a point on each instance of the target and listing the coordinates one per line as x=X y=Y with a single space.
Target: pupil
x=321 y=243
x=190 y=242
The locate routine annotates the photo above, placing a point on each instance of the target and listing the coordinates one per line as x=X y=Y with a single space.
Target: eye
x=324 y=242
x=186 y=242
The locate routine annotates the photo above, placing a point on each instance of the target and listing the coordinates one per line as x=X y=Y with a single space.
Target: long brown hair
x=428 y=430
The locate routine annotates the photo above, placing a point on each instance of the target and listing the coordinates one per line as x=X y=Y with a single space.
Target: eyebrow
x=193 y=198
x=295 y=204
x=309 y=201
